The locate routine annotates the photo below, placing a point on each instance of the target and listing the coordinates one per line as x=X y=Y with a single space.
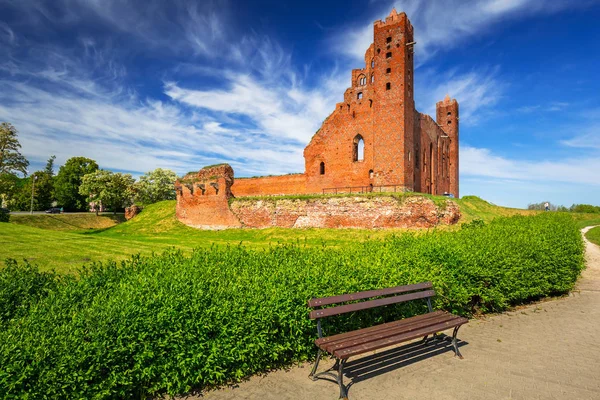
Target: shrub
x=4 y=215
x=21 y=286
x=169 y=323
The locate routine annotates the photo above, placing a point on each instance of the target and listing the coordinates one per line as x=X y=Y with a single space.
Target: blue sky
x=138 y=85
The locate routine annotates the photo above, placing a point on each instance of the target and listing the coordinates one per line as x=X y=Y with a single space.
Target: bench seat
x=361 y=341
x=342 y=346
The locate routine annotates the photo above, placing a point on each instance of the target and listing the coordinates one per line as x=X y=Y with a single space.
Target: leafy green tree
x=68 y=180
x=155 y=186
x=585 y=208
x=11 y=161
x=44 y=186
x=11 y=187
x=113 y=190
x=42 y=191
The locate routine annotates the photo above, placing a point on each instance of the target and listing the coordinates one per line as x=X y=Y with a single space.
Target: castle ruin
x=374 y=140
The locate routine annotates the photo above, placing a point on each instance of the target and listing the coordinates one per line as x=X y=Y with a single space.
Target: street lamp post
x=32 y=188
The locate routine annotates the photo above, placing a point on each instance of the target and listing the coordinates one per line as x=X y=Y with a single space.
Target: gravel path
x=548 y=350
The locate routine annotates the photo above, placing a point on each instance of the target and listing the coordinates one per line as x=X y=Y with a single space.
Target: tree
x=585 y=208
x=42 y=192
x=542 y=206
x=44 y=186
x=11 y=161
x=68 y=180
x=113 y=190
x=155 y=186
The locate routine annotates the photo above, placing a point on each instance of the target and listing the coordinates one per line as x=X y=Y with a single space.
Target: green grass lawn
x=154 y=230
x=593 y=235
x=68 y=222
x=65 y=242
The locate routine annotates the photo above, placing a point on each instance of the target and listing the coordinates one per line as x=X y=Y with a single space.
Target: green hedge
x=171 y=323
x=4 y=215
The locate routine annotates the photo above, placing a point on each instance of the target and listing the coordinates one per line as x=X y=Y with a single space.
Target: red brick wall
x=447 y=117
x=270 y=185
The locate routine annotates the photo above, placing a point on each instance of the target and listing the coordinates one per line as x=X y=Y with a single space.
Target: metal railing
x=367 y=189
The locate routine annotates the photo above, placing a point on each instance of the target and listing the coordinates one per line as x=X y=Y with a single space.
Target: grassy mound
x=171 y=322
x=593 y=235
x=67 y=222
x=154 y=219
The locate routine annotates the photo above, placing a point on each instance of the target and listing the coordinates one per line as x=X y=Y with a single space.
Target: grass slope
x=68 y=222
x=68 y=242
x=593 y=235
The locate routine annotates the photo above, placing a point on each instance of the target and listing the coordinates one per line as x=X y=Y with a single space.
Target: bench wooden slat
x=405 y=324
x=372 y=329
x=370 y=304
x=325 y=301
x=394 y=331
x=399 y=338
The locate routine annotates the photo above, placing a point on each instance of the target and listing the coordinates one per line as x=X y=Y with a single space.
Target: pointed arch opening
x=358 y=148
x=322 y=168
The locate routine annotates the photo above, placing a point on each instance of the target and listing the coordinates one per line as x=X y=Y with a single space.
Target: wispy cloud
x=6 y=34
x=443 y=26
x=482 y=162
x=476 y=91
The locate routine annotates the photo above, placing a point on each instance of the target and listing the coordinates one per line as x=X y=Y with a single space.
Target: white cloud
x=6 y=34
x=445 y=25
x=481 y=162
x=476 y=91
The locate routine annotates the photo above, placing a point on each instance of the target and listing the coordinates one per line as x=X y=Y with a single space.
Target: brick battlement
x=393 y=18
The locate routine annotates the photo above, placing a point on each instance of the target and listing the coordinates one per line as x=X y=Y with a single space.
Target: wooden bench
x=349 y=344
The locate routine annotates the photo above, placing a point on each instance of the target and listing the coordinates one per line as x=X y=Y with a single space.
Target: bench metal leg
x=456 y=351
x=343 y=393
x=339 y=376
x=312 y=373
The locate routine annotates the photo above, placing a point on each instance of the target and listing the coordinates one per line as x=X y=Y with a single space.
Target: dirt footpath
x=549 y=350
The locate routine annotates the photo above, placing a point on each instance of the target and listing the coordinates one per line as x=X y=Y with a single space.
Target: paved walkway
x=549 y=350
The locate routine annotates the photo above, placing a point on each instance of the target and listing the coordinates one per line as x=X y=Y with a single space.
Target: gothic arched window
x=358 y=148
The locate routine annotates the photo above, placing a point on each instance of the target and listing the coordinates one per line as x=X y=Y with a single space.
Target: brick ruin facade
x=373 y=140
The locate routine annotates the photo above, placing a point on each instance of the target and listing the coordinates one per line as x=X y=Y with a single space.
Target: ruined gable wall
x=334 y=146
x=270 y=185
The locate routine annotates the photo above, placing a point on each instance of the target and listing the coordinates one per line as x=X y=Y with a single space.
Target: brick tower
x=447 y=118
x=394 y=109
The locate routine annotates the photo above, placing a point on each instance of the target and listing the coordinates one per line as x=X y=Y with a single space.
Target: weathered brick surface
x=402 y=147
x=132 y=211
x=270 y=185
x=344 y=212
x=203 y=198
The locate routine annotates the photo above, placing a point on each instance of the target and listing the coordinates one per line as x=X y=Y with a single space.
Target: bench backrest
x=396 y=294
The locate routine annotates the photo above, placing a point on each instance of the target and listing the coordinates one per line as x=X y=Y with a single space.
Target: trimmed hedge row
x=171 y=323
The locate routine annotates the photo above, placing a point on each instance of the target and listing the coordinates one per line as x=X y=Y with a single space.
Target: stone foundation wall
x=345 y=212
